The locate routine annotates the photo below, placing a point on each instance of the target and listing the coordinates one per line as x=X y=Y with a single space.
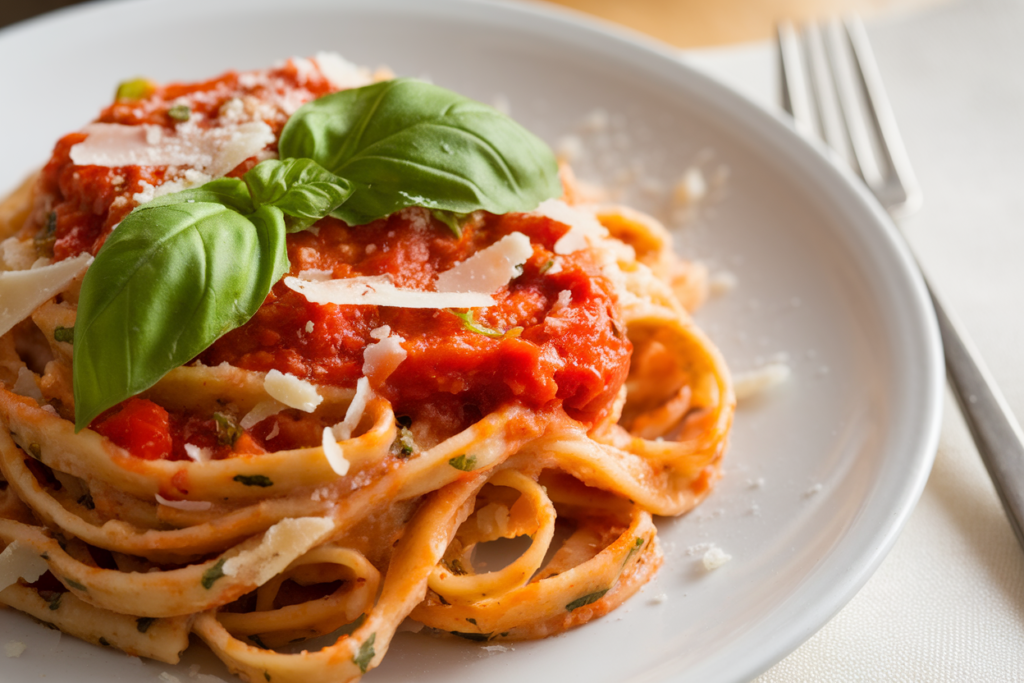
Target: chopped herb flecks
x=464 y=463
x=228 y=430
x=135 y=89
x=632 y=551
x=35 y=450
x=470 y=323
x=55 y=601
x=403 y=445
x=180 y=112
x=453 y=220
x=585 y=600
x=253 y=480
x=456 y=567
x=478 y=637
x=87 y=502
x=71 y=583
x=366 y=653
x=64 y=334
x=212 y=574
x=143 y=623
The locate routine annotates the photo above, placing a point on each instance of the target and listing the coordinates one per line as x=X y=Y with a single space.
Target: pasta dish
x=282 y=351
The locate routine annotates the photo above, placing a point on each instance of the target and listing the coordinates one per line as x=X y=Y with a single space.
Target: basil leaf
x=170 y=280
x=303 y=189
x=407 y=143
x=230 y=192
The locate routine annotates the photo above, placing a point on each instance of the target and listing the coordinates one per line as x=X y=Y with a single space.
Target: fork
x=841 y=98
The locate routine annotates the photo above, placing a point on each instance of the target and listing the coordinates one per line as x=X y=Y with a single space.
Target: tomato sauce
x=82 y=204
x=566 y=346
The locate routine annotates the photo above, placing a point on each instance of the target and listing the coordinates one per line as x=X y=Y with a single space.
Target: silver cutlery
x=832 y=88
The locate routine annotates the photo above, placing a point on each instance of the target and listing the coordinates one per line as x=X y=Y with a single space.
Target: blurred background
x=684 y=23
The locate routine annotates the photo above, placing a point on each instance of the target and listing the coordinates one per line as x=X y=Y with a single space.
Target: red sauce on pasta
x=571 y=350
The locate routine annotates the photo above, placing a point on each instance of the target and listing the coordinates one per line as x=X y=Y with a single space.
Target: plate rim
x=798 y=150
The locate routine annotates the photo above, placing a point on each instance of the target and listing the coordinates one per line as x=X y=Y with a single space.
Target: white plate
x=843 y=449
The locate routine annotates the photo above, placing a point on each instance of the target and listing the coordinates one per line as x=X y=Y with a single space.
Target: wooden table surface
x=703 y=23
x=683 y=23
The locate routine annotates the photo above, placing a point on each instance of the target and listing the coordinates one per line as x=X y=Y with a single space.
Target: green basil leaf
x=230 y=192
x=408 y=143
x=303 y=189
x=169 y=281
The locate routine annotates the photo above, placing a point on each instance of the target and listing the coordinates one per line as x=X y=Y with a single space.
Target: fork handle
x=996 y=431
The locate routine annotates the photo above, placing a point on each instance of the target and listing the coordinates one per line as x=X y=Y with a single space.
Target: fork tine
x=829 y=117
x=895 y=163
x=865 y=159
x=794 y=79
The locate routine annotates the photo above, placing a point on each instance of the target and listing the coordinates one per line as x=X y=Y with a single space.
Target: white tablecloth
x=948 y=602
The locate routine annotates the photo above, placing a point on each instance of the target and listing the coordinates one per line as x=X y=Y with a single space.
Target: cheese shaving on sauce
x=281 y=544
x=198 y=454
x=187 y=505
x=335 y=456
x=489 y=269
x=260 y=412
x=213 y=151
x=19 y=561
x=341 y=72
x=343 y=430
x=378 y=290
x=381 y=359
x=23 y=291
x=292 y=391
x=583 y=225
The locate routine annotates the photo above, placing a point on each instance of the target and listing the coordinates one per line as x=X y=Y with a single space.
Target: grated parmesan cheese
x=26 y=385
x=197 y=453
x=583 y=226
x=749 y=384
x=378 y=290
x=210 y=151
x=280 y=545
x=19 y=561
x=341 y=72
x=381 y=359
x=489 y=269
x=343 y=430
x=23 y=291
x=292 y=391
x=715 y=557
x=260 y=412
x=186 y=505
x=14 y=648
x=334 y=454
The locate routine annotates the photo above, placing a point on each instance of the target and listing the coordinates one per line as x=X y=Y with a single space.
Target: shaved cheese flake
x=14 y=648
x=748 y=384
x=377 y=290
x=292 y=391
x=260 y=412
x=583 y=225
x=341 y=72
x=19 y=561
x=213 y=151
x=198 y=454
x=343 y=430
x=489 y=269
x=381 y=359
x=26 y=385
x=187 y=505
x=23 y=291
x=281 y=544
x=334 y=454
x=714 y=558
